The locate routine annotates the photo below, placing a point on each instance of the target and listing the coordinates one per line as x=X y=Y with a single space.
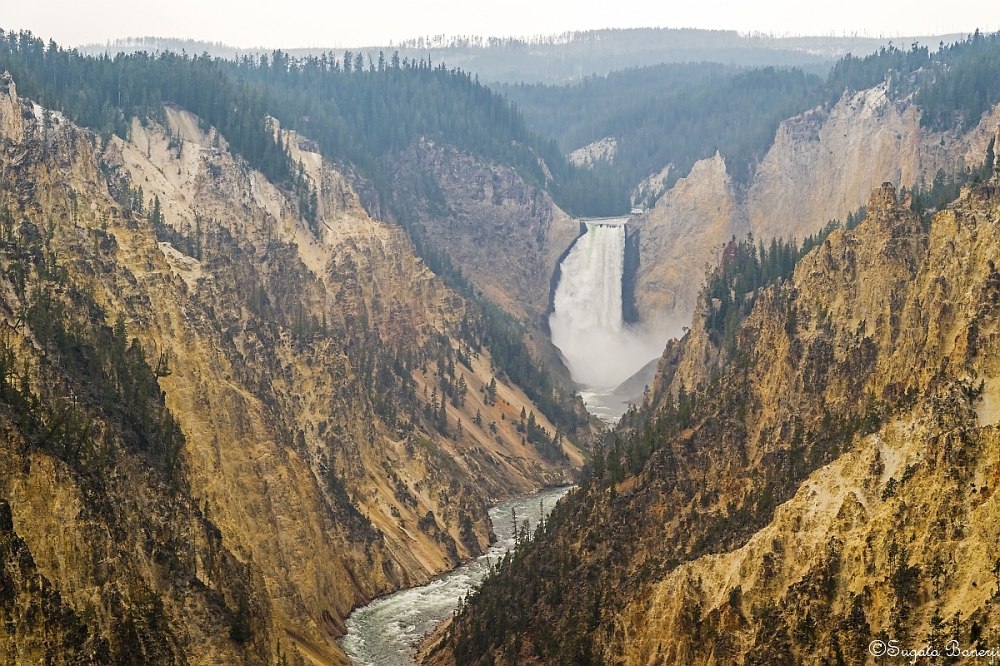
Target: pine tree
x=442 y=417
x=156 y=215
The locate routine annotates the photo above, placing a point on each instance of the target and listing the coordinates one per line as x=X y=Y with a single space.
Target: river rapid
x=386 y=631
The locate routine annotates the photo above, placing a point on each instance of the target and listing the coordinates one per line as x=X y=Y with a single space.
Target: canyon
x=839 y=493
x=236 y=408
x=302 y=481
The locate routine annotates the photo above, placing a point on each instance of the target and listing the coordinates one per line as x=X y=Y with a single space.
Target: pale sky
x=318 y=23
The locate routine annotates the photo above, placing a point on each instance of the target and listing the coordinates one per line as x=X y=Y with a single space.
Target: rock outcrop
x=679 y=238
x=602 y=150
x=823 y=165
x=505 y=235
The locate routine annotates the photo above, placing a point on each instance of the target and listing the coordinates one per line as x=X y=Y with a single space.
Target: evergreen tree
x=442 y=417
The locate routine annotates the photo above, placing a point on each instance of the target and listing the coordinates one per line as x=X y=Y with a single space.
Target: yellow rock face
x=297 y=498
x=821 y=167
x=898 y=534
x=679 y=237
x=506 y=236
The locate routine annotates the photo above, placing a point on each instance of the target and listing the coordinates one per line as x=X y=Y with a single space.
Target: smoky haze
x=247 y=24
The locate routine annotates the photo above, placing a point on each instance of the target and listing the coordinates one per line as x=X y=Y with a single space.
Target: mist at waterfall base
x=601 y=350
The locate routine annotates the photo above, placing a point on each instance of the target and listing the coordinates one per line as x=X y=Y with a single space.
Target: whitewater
x=586 y=323
x=386 y=631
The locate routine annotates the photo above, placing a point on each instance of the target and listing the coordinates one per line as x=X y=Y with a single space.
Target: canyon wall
x=821 y=167
x=892 y=537
x=680 y=237
x=241 y=429
x=828 y=483
x=504 y=234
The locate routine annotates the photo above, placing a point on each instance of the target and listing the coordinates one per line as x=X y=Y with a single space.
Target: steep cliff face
x=839 y=157
x=506 y=236
x=108 y=557
x=679 y=237
x=821 y=167
x=828 y=484
x=316 y=441
x=601 y=150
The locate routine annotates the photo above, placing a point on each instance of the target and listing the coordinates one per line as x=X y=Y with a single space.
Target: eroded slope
x=307 y=470
x=829 y=483
x=822 y=166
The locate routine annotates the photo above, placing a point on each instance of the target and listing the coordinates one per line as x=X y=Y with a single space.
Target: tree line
x=680 y=113
x=361 y=110
x=358 y=110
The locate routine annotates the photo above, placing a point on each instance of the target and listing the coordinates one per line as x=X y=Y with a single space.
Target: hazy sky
x=301 y=23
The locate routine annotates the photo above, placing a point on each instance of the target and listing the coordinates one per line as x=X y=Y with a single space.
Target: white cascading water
x=586 y=322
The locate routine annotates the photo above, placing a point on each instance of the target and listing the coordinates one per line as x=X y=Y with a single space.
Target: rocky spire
x=11 y=124
x=883 y=198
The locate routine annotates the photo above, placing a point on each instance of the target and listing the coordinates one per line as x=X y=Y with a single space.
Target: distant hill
x=573 y=56
x=159 y=44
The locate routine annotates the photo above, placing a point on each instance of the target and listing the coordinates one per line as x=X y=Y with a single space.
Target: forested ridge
x=357 y=110
x=570 y=57
x=672 y=114
x=361 y=111
x=680 y=113
x=105 y=93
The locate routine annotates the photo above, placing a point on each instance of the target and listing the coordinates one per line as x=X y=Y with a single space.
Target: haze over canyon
x=627 y=346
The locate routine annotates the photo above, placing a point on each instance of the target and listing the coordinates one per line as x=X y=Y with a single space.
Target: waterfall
x=586 y=322
x=590 y=287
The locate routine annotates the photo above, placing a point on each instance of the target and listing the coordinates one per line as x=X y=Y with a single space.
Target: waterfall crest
x=586 y=322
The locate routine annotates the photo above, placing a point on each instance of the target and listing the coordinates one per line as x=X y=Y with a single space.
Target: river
x=386 y=631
